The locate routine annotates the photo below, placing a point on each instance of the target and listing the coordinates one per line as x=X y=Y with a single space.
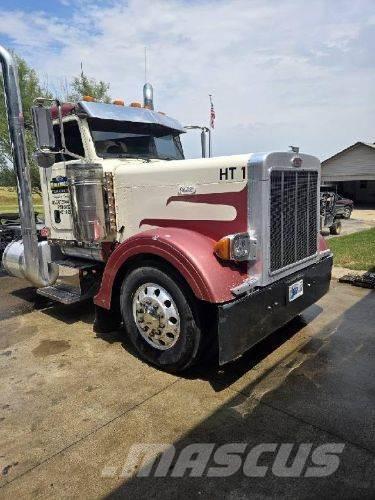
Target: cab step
x=66 y=294
x=71 y=288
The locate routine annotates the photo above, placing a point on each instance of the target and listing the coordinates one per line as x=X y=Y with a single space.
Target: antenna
x=148 y=93
x=145 y=64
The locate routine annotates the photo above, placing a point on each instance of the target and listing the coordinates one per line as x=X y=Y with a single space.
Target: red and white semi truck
x=183 y=253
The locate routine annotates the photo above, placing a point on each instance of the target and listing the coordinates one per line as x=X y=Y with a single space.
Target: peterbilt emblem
x=182 y=190
x=296 y=161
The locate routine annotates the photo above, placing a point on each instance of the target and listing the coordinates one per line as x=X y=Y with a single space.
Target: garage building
x=352 y=171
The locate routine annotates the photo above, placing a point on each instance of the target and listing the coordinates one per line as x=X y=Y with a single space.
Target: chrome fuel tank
x=87 y=200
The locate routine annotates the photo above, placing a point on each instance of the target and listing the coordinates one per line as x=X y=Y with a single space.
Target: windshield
x=128 y=140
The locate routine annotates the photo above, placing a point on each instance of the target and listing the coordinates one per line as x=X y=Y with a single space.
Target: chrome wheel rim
x=156 y=316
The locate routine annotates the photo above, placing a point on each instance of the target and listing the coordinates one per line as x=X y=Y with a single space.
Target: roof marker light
x=135 y=104
x=88 y=98
x=118 y=102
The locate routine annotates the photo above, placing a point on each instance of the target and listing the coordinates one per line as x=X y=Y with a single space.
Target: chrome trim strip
x=293 y=264
x=245 y=287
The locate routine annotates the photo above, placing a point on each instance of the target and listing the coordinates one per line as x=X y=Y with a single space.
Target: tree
x=83 y=85
x=30 y=89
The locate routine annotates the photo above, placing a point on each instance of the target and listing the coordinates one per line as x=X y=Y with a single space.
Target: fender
x=189 y=252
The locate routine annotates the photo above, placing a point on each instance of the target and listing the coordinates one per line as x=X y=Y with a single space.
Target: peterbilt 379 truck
x=185 y=254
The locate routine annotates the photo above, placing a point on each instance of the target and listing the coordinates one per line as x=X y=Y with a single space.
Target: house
x=352 y=171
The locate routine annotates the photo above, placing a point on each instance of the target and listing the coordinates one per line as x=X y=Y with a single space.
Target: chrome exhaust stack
x=27 y=258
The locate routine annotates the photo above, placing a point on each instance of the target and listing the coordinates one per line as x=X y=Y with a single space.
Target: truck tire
x=160 y=318
x=336 y=228
x=347 y=212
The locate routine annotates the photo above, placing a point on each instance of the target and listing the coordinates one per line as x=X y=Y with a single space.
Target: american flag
x=212 y=115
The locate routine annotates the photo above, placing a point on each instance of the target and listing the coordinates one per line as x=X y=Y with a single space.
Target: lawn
x=8 y=200
x=355 y=251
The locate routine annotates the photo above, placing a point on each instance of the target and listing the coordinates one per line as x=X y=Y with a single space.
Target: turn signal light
x=88 y=98
x=237 y=247
x=222 y=248
x=136 y=104
x=118 y=102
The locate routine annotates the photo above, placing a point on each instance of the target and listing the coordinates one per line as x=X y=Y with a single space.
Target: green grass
x=355 y=251
x=8 y=200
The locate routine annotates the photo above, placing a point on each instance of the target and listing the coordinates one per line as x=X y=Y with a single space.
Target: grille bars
x=293 y=204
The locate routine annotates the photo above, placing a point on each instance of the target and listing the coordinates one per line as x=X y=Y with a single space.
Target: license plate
x=295 y=290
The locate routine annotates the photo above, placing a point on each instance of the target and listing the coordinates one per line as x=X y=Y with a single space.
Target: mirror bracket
x=43 y=129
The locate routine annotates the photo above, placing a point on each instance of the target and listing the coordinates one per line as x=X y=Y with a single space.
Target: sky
x=281 y=72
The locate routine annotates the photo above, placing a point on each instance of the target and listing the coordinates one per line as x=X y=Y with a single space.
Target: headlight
x=240 y=247
x=236 y=247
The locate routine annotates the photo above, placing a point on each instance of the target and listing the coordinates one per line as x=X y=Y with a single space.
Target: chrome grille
x=293 y=224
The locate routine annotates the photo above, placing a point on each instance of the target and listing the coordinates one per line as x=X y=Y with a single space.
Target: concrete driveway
x=72 y=404
x=364 y=214
x=360 y=220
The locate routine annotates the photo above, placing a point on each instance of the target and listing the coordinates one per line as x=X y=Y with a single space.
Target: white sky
x=281 y=72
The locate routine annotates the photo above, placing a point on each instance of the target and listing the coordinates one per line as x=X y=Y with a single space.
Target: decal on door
x=59 y=184
x=60 y=199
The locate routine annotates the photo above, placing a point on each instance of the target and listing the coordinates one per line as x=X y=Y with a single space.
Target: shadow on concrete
x=19 y=298
x=221 y=377
x=70 y=314
x=325 y=393
x=224 y=376
x=29 y=295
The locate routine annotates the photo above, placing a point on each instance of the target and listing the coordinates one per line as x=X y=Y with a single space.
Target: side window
x=177 y=141
x=73 y=140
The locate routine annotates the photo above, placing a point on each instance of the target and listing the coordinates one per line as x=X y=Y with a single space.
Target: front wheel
x=160 y=318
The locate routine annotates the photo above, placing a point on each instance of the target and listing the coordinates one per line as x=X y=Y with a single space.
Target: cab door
x=58 y=209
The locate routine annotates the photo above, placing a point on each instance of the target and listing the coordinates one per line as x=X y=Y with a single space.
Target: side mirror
x=43 y=127
x=204 y=132
x=44 y=160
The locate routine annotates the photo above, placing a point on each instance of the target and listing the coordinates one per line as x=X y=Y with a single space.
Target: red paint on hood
x=215 y=229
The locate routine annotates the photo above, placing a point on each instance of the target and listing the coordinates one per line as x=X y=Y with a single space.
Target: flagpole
x=210 y=129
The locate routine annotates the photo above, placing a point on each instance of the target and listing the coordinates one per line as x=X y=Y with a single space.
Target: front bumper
x=249 y=319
